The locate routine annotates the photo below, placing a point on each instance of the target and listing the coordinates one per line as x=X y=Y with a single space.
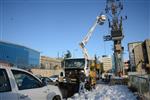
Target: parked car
x=54 y=78
x=18 y=84
x=47 y=81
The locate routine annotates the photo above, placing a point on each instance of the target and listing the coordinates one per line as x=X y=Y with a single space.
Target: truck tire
x=57 y=97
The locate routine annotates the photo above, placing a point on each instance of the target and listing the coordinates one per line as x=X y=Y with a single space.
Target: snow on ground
x=106 y=92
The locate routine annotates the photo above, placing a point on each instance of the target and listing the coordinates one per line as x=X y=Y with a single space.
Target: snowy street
x=106 y=92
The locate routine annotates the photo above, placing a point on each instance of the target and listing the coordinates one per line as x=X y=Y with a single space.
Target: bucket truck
x=99 y=20
x=77 y=70
x=90 y=68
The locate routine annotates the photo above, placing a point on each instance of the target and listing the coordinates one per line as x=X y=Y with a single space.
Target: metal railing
x=142 y=85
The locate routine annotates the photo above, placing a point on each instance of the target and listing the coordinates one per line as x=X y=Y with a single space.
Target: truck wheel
x=57 y=97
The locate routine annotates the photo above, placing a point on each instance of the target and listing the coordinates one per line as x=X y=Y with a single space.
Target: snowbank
x=105 y=92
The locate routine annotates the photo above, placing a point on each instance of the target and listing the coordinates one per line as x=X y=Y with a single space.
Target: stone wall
x=46 y=72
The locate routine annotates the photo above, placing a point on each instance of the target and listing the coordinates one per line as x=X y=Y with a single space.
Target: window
x=61 y=74
x=54 y=76
x=76 y=63
x=4 y=81
x=25 y=80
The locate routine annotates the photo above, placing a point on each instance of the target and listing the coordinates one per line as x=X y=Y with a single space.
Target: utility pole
x=113 y=10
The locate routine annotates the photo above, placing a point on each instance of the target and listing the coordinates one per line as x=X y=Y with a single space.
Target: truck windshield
x=74 y=63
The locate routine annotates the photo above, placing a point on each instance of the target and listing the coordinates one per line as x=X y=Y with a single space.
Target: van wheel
x=57 y=97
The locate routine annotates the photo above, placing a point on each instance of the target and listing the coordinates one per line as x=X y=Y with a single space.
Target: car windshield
x=75 y=63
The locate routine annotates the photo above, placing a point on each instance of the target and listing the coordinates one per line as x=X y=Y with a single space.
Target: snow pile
x=105 y=92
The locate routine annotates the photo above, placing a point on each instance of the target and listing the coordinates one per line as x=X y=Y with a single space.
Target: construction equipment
x=74 y=75
x=99 y=20
x=90 y=69
x=81 y=72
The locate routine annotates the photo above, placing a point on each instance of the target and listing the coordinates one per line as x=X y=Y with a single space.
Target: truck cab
x=77 y=70
x=74 y=67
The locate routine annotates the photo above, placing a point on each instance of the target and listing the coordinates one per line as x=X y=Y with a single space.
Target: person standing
x=82 y=82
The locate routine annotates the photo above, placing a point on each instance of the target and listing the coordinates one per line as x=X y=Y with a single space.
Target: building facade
x=139 y=58
x=18 y=55
x=107 y=63
x=146 y=47
x=141 y=55
x=50 y=63
x=131 y=46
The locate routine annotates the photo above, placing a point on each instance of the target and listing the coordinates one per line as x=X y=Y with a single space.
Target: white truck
x=18 y=84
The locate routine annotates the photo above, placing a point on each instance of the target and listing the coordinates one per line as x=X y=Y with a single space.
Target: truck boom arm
x=99 y=20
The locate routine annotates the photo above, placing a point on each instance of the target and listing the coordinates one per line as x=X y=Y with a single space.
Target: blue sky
x=52 y=26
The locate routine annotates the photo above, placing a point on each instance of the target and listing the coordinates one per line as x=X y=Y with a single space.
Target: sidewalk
x=106 y=92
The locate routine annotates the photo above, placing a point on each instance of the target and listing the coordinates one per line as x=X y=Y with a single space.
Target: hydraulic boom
x=99 y=20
